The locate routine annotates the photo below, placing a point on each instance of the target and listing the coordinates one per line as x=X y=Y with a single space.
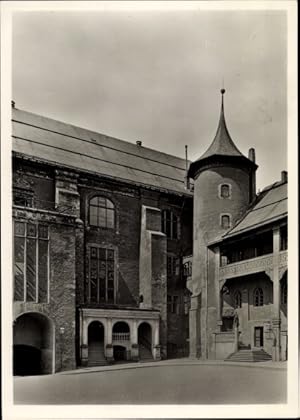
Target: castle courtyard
x=171 y=382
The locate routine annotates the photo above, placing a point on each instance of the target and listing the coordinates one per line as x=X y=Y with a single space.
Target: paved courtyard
x=157 y=383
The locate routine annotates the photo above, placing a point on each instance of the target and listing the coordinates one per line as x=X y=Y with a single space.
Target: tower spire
x=222 y=146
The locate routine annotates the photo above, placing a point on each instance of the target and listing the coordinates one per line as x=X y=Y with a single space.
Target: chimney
x=251 y=154
x=284 y=176
x=138 y=143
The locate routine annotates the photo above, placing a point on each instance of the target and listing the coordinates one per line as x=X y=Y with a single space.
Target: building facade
x=120 y=254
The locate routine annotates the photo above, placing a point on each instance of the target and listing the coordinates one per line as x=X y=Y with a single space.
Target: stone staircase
x=96 y=356
x=248 y=355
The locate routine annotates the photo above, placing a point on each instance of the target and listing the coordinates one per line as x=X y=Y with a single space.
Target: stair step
x=249 y=356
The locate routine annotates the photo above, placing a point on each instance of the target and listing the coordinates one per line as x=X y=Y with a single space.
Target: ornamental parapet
x=243 y=268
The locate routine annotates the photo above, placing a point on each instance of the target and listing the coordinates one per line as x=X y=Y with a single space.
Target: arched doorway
x=119 y=353
x=145 y=341
x=96 y=344
x=33 y=345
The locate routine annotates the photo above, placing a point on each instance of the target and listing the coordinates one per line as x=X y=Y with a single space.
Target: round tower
x=224 y=186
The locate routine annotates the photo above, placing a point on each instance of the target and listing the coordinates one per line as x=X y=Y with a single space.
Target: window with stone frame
x=237 y=299
x=173 y=266
x=225 y=221
x=173 y=304
x=225 y=191
x=101 y=286
x=258 y=297
x=169 y=224
x=31 y=262
x=101 y=212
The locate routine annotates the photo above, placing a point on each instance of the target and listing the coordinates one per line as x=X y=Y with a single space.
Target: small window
x=225 y=191
x=22 y=198
x=173 y=304
x=225 y=221
x=284 y=294
x=173 y=266
x=169 y=224
x=101 y=212
x=258 y=297
x=237 y=299
x=283 y=238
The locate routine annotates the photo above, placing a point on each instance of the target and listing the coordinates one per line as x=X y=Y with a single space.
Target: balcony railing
x=121 y=336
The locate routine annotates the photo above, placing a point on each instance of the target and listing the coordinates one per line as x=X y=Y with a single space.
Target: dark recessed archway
x=145 y=341
x=33 y=344
x=96 y=343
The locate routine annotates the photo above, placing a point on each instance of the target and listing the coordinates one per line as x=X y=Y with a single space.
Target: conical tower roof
x=222 y=146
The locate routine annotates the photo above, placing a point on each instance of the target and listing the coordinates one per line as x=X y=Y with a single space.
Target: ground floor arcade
x=112 y=335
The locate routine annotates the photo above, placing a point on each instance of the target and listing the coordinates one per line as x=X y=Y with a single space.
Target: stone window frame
x=229 y=192
x=173 y=261
x=222 y=215
x=237 y=298
x=174 y=215
x=258 y=297
x=103 y=194
x=173 y=304
x=37 y=237
x=116 y=266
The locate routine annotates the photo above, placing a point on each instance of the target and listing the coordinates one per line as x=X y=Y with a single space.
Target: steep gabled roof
x=77 y=148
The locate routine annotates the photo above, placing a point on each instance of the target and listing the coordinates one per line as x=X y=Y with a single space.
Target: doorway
x=33 y=345
x=96 y=343
x=258 y=336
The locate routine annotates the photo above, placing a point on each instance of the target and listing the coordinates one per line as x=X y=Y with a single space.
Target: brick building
x=121 y=254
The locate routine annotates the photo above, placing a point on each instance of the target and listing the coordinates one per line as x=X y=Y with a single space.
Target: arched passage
x=33 y=344
x=145 y=341
x=95 y=343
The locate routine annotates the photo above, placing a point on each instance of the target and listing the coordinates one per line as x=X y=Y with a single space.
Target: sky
x=155 y=77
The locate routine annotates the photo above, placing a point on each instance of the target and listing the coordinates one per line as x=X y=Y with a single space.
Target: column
x=84 y=345
x=218 y=290
x=276 y=295
x=156 y=344
x=109 y=354
x=134 y=340
x=194 y=325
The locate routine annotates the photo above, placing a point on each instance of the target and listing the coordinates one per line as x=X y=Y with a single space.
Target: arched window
x=284 y=293
x=169 y=224
x=101 y=212
x=237 y=299
x=258 y=297
x=225 y=221
x=224 y=191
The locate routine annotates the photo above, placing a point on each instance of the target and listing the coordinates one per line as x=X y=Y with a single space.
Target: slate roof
x=222 y=146
x=65 y=145
x=270 y=206
x=222 y=143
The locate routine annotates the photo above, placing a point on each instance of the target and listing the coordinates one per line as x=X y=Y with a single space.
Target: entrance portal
x=119 y=353
x=33 y=345
x=96 y=343
x=145 y=341
x=258 y=336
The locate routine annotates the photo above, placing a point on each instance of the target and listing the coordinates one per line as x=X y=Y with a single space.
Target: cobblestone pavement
x=158 y=383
